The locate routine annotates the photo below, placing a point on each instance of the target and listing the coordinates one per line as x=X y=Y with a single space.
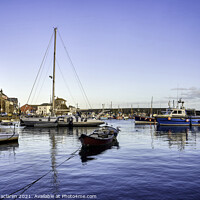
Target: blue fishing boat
x=144 y=120
x=177 y=117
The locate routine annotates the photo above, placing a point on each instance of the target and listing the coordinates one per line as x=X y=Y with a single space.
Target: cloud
x=186 y=89
x=188 y=93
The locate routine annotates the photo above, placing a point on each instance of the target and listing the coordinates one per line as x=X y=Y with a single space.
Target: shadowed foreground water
x=147 y=162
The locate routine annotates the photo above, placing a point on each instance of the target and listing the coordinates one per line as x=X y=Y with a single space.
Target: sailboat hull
x=39 y=122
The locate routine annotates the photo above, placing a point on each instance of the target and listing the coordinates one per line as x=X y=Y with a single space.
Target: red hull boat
x=95 y=140
x=99 y=137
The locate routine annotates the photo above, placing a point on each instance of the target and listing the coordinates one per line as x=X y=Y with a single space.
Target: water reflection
x=86 y=154
x=53 y=152
x=9 y=147
x=61 y=130
x=174 y=129
x=175 y=135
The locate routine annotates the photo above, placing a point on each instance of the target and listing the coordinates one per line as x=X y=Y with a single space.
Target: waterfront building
x=44 y=109
x=61 y=107
x=29 y=109
x=8 y=105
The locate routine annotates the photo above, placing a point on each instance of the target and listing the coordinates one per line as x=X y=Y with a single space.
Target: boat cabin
x=175 y=112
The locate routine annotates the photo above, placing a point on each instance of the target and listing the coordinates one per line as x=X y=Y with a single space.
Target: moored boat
x=6 y=137
x=77 y=121
x=88 y=123
x=50 y=120
x=177 y=117
x=38 y=121
x=6 y=122
x=144 y=120
x=99 y=137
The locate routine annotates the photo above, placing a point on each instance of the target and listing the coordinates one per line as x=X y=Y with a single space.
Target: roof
x=45 y=104
x=60 y=99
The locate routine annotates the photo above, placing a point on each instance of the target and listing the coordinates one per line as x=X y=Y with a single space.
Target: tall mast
x=54 y=64
x=151 y=113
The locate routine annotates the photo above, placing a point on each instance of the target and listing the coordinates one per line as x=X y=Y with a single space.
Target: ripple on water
x=147 y=164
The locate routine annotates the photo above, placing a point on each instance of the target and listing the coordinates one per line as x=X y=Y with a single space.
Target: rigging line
x=79 y=81
x=40 y=68
x=43 y=82
x=65 y=82
x=26 y=187
x=76 y=75
x=39 y=78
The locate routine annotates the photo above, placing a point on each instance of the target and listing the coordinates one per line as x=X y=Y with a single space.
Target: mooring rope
x=26 y=187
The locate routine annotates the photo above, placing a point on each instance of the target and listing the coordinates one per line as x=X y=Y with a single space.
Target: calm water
x=147 y=163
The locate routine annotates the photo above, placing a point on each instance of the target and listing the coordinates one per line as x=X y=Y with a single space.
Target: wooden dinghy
x=100 y=137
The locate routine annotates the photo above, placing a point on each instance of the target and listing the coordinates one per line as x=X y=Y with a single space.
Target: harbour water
x=147 y=163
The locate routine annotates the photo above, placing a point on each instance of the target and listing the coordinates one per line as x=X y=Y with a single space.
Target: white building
x=44 y=109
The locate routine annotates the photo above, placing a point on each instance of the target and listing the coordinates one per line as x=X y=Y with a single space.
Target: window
x=174 y=112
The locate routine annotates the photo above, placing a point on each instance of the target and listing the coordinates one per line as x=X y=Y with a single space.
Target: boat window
x=174 y=112
x=167 y=112
x=179 y=112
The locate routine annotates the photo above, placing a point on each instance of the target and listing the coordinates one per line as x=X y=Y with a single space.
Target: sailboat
x=50 y=121
x=53 y=121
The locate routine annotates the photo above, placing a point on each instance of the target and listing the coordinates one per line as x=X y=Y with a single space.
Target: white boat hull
x=42 y=121
x=8 y=137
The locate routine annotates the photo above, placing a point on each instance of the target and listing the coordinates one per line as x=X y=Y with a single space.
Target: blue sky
x=124 y=51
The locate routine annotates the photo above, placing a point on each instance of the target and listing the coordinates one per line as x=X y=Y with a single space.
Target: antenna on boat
x=177 y=96
x=169 y=104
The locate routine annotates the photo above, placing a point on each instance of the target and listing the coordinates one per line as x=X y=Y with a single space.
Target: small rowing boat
x=100 y=137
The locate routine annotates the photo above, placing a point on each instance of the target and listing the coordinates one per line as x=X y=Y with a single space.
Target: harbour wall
x=126 y=111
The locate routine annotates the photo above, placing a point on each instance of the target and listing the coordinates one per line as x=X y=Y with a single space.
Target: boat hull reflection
x=87 y=153
x=174 y=129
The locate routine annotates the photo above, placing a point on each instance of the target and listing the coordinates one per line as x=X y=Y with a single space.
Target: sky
x=124 y=51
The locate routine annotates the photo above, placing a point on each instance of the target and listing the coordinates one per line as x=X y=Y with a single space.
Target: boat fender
x=169 y=118
x=150 y=120
x=187 y=120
